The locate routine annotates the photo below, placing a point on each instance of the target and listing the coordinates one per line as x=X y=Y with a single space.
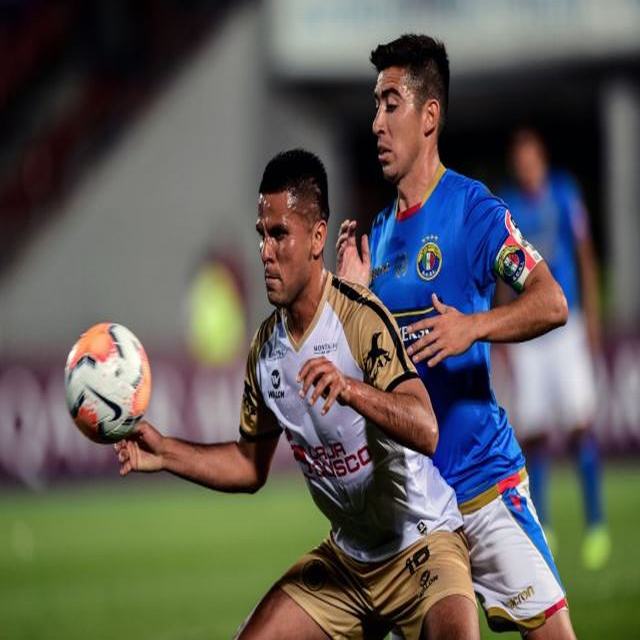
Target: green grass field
x=160 y=559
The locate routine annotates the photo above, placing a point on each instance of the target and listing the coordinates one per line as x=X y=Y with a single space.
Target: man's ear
x=430 y=116
x=318 y=237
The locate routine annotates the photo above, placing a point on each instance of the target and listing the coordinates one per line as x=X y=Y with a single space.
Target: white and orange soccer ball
x=108 y=382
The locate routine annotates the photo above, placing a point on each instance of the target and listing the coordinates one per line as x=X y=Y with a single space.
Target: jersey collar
x=407 y=213
x=316 y=316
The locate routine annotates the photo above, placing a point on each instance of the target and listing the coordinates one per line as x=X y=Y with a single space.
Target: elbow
x=430 y=432
x=255 y=485
x=558 y=308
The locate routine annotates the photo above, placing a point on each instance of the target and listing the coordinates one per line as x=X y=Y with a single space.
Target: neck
x=413 y=185
x=301 y=311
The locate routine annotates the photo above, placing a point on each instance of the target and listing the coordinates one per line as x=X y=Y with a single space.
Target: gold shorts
x=351 y=599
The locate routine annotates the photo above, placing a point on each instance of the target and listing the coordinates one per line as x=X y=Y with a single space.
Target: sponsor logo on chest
x=324 y=348
x=276 y=393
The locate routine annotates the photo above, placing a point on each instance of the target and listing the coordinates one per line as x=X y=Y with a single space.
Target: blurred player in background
x=554 y=382
x=436 y=252
x=396 y=554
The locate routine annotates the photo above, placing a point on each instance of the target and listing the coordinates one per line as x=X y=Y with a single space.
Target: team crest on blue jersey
x=429 y=261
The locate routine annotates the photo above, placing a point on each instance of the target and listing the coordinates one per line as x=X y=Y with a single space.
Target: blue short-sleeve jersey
x=553 y=220
x=449 y=246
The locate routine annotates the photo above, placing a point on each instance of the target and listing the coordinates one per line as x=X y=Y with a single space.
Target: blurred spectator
x=553 y=376
x=217 y=313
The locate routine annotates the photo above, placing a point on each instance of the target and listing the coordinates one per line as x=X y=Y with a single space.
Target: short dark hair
x=300 y=172
x=426 y=60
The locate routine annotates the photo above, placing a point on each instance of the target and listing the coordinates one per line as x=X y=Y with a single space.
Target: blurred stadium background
x=133 y=139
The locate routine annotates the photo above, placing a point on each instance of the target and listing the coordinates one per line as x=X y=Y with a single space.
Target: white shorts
x=553 y=381
x=514 y=575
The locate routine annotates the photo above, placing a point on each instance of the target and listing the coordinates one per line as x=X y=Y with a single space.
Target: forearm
x=223 y=467
x=538 y=309
x=404 y=417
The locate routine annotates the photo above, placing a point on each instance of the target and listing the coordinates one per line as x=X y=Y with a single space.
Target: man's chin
x=275 y=298
x=388 y=172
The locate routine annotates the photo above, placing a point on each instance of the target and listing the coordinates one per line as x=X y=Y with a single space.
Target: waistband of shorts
x=493 y=492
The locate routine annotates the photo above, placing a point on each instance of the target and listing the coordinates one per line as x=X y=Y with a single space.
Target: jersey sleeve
x=380 y=350
x=516 y=258
x=495 y=246
x=257 y=421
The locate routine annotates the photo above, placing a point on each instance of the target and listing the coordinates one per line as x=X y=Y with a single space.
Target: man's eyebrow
x=386 y=92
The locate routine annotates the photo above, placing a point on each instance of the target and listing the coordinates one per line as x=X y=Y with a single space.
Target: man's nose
x=266 y=250
x=377 y=126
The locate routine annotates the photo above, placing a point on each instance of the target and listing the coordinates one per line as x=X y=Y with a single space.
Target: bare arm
x=539 y=308
x=405 y=414
x=232 y=467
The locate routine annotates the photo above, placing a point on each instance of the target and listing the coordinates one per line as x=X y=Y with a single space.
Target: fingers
x=322 y=386
x=424 y=348
x=311 y=371
x=428 y=330
x=437 y=305
x=327 y=380
x=426 y=324
x=444 y=353
x=127 y=456
x=364 y=247
x=346 y=235
x=334 y=392
x=432 y=351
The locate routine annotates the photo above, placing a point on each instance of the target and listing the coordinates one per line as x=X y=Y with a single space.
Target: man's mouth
x=383 y=153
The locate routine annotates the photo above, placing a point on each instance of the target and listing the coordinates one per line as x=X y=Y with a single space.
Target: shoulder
x=265 y=331
x=353 y=302
x=354 y=294
x=477 y=196
x=381 y=216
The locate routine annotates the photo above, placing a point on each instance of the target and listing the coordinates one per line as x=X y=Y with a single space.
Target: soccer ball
x=108 y=382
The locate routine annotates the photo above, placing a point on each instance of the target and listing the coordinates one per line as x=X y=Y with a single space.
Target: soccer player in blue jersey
x=436 y=252
x=550 y=211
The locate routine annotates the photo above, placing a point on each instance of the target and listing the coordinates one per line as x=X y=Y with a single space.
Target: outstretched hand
x=446 y=334
x=141 y=451
x=352 y=265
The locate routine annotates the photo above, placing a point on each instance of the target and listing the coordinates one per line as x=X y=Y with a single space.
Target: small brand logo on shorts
x=521 y=597
x=314 y=575
x=426 y=580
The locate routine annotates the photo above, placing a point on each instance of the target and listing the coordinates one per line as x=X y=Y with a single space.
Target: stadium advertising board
x=39 y=443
